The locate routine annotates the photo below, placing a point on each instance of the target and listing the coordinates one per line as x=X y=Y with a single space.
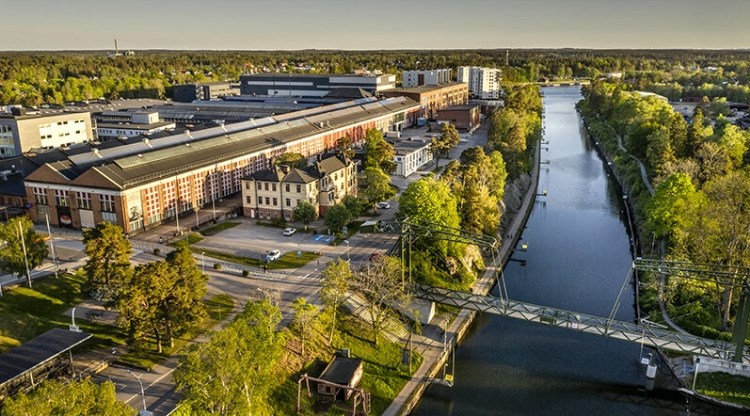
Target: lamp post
x=143 y=395
x=203 y=262
x=348 y=257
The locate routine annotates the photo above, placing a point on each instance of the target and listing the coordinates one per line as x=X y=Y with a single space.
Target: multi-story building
x=411 y=154
x=187 y=93
x=483 y=82
x=20 y=131
x=464 y=117
x=433 y=98
x=114 y=124
x=410 y=79
x=310 y=85
x=140 y=185
x=276 y=192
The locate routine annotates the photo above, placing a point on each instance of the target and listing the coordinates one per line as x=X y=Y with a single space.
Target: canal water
x=578 y=256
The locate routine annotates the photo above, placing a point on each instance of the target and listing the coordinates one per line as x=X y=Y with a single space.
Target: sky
x=373 y=24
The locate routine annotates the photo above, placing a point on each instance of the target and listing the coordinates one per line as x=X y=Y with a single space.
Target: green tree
x=295 y=160
x=380 y=283
x=336 y=279
x=108 y=253
x=354 y=205
x=344 y=147
x=375 y=186
x=303 y=319
x=337 y=217
x=378 y=151
x=448 y=139
x=429 y=201
x=19 y=233
x=232 y=373
x=183 y=307
x=141 y=303
x=305 y=213
x=674 y=202
x=73 y=398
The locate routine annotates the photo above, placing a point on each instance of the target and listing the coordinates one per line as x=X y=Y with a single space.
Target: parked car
x=273 y=255
x=383 y=205
x=289 y=231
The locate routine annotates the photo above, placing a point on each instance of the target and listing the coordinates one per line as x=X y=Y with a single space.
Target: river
x=577 y=259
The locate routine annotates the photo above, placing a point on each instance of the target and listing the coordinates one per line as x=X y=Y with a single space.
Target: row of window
x=270 y=201
x=83 y=199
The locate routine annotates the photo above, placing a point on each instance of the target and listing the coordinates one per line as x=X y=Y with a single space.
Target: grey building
x=186 y=93
x=310 y=85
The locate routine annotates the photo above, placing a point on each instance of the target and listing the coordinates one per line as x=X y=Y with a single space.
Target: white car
x=383 y=205
x=273 y=255
x=289 y=231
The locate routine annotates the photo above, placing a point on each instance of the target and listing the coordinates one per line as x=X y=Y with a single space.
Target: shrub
x=157 y=251
x=217 y=266
x=245 y=273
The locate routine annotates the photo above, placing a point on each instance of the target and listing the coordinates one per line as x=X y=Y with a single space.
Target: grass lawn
x=215 y=229
x=725 y=387
x=191 y=238
x=288 y=260
x=27 y=313
x=384 y=375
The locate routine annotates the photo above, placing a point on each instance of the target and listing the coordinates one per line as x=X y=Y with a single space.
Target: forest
x=33 y=79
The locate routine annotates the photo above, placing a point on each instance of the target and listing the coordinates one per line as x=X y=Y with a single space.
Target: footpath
x=430 y=345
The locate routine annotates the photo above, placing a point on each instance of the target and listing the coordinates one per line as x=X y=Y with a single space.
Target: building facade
x=140 y=185
x=484 y=83
x=308 y=85
x=114 y=124
x=433 y=98
x=411 y=154
x=274 y=193
x=21 y=132
x=464 y=117
x=187 y=93
x=411 y=79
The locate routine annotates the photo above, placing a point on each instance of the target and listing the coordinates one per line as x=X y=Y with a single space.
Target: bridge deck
x=656 y=337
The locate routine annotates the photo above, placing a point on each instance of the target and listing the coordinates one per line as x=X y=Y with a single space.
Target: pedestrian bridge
x=646 y=334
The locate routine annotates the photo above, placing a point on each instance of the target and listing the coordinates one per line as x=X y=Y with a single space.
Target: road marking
x=305 y=276
x=151 y=385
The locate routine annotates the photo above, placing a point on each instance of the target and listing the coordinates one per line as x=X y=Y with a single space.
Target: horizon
x=355 y=25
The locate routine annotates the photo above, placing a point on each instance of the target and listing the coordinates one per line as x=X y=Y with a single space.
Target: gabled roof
x=296 y=175
x=331 y=164
x=341 y=370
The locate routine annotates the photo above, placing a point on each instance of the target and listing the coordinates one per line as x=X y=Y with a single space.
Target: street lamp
x=348 y=257
x=203 y=262
x=143 y=395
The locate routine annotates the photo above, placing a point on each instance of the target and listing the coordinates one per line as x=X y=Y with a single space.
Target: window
x=61 y=198
x=83 y=199
x=275 y=202
x=152 y=205
x=299 y=188
x=273 y=187
x=287 y=187
x=247 y=185
x=248 y=199
x=109 y=217
x=268 y=201
x=259 y=185
x=266 y=185
x=260 y=200
x=107 y=202
x=40 y=196
x=288 y=202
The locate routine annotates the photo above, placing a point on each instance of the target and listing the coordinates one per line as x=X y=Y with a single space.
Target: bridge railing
x=657 y=337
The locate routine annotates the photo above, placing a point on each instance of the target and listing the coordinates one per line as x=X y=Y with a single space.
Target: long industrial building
x=140 y=185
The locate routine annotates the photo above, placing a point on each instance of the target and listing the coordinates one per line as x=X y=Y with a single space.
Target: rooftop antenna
x=116 y=51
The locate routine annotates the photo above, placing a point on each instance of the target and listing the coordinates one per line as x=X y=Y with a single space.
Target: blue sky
x=373 y=24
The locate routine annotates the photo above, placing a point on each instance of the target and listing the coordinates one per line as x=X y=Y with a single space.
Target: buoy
x=524 y=246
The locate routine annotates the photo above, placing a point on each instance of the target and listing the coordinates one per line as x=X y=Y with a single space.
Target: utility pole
x=52 y=246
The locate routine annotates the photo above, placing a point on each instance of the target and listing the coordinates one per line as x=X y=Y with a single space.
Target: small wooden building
x=343 y=371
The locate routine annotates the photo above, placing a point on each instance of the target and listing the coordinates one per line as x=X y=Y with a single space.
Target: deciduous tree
x=73 y=398
x=303 y=319
x=336 y=278
x=305 y=213
x=109 y=254
x=379 y=152
x=375 y=186
x=19 y=233
x=337 y=216
x=231 y=373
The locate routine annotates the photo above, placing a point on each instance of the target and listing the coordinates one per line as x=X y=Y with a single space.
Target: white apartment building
x=483 y=82
x=114 y=124
x=21 y=132
x=411 y=79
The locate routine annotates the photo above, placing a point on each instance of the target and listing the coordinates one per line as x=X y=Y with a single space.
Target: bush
x=245 y=273
x=157 y=251
x=279 y=222
x=217 y=266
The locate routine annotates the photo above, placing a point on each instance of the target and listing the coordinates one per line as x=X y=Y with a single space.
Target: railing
x=656 y=337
